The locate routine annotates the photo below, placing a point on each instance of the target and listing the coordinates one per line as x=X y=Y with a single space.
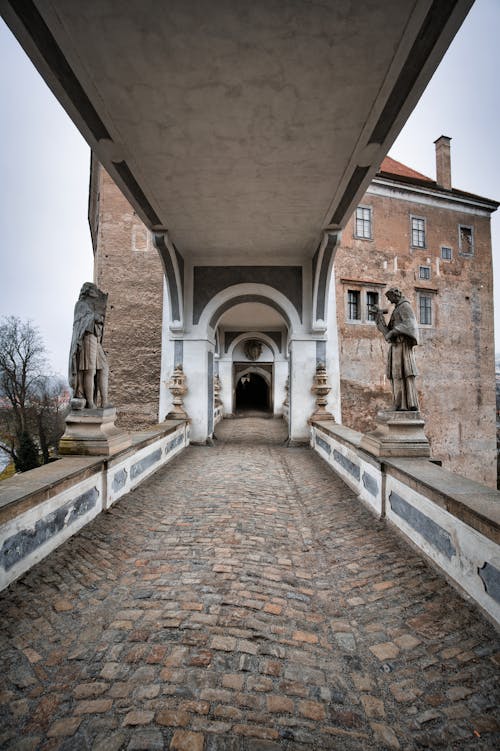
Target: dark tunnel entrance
x=252 y=392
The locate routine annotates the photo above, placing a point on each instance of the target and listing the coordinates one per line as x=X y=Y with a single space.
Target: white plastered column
x=332 y=353
x=226 y=379
x=280 y=376
x=200 y=388
x=302 y=370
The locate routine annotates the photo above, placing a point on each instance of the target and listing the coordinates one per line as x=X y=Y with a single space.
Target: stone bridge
x=242 y=598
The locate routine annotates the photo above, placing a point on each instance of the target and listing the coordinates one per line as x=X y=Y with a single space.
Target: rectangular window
x=353 y=306
x=446 y=253
x=417 y=232
x=466 y=240
x=425 y=310
x=363 y=222
x=424 y=272
x=371 y=299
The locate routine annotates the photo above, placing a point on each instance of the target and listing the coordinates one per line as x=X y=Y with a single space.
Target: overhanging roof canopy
x=243 y=127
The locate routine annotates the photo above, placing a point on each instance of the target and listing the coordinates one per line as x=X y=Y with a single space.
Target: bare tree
x=30 y=401
x=49 y=407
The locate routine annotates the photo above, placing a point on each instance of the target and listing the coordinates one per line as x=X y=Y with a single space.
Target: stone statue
x=402 y=334
x=88 y=366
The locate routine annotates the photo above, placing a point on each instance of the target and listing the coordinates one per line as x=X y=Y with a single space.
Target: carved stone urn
x=177 y=387
x=321 y=389
x=217 y=390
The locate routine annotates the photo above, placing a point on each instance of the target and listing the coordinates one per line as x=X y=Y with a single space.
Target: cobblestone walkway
x=243 y=599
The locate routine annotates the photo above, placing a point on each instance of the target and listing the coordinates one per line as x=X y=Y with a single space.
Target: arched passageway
x=252 y=393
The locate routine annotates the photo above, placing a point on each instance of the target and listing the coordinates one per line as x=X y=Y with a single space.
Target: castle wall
x=455 y=357
x=128 y=267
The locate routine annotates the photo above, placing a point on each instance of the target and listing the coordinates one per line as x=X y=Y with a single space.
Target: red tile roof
x=391 y=167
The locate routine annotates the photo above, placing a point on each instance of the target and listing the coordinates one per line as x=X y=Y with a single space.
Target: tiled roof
x=391 y=167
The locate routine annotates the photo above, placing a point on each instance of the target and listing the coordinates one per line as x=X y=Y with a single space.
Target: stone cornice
x=431 y=197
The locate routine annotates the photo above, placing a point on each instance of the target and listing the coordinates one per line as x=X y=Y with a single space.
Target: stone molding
x=41 y=509
x=454 y=522
x=397 y=434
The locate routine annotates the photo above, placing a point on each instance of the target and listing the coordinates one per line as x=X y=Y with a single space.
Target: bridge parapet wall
x=453 y=521
x=41 y=509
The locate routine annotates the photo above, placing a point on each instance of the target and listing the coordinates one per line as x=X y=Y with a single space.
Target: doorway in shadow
x=252 y=394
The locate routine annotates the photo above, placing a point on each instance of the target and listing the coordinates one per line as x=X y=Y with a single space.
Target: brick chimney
x=443 y=162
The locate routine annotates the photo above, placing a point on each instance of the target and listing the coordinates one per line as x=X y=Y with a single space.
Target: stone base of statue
x=177 y=413
x=320 y=414
x=397 y=434
x=92 y=432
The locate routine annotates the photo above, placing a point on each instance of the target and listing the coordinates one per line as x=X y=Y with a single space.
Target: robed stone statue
x=402 y=334
x=88 y=366
x=90 y=423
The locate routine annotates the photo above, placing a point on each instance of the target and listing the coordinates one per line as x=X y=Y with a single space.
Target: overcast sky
x=46 y=252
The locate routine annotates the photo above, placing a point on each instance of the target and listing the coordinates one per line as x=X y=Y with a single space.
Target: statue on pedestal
x=399 y=432
x=90 y=424
x=402 y=334
x=88 y=365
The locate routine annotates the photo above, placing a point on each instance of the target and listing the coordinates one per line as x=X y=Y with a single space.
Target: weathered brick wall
x=128 y=267
x=455 y=357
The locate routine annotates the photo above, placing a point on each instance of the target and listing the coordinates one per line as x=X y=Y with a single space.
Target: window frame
x=446 y=247
x=362 y=292
x=425 y=296
x=367 y=305
x=424 y=276
x=414 y=218
x=363 y=207
x=462 y=252
x=349 y=304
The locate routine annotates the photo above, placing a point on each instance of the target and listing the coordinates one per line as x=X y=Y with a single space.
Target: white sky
x=46 y=252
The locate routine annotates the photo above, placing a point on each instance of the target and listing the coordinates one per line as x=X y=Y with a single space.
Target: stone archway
x=253 y=387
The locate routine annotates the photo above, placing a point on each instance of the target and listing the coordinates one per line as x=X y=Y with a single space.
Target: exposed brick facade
x=456 y=353
x=128 y=267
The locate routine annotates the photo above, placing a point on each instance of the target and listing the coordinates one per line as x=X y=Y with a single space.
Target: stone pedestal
x=92 y=432
x=321 y=388
x=397 y=434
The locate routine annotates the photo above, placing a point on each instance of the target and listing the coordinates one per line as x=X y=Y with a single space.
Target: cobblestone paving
x=243 y=599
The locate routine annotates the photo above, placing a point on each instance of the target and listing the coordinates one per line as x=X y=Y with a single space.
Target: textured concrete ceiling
x=243 y=127
x=252 y=317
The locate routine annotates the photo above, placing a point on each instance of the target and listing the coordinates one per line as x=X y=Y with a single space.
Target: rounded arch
x=242 y=293
x=258 y=371
x=254 y=335
x=253 y=389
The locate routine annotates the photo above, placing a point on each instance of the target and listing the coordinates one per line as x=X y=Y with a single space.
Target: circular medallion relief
x=253 y=349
